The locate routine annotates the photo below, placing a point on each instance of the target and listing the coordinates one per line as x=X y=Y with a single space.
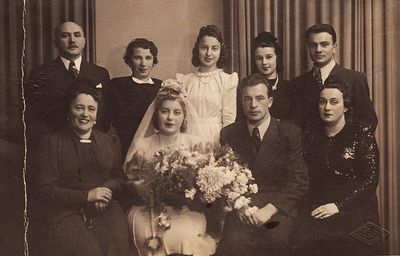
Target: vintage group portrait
x=210 y=127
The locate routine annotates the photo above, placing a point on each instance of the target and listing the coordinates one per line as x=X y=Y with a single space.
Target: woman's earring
x=94 y=122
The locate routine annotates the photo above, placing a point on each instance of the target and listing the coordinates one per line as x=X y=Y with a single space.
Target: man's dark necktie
x=73 y=70
x=318 y=79
x=255 y=136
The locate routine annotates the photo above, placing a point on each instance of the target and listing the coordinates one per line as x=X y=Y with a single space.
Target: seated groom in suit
x=321 y=42
x=47 y=84
x=272 y=150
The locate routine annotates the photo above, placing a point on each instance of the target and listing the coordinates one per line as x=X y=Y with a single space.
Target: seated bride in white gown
x=170 y=121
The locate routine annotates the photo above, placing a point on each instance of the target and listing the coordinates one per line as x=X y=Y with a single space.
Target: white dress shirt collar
x=262 y=127
x=138 y=81
x=325 y=70
x=78 y=62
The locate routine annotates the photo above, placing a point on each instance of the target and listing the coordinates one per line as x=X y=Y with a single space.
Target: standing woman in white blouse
x=211 y=91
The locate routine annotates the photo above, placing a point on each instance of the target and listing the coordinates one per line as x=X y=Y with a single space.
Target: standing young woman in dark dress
x=79 y=172
x=133 y=94
x=267 y=57
x=343 y=161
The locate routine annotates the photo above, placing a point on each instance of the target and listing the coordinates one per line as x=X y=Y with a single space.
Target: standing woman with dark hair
x=211 y=91
x=343 y=161
x=267 y=56
x=133 y=94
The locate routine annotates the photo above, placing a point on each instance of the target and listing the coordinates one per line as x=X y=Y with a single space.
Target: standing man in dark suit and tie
x=48 y=83
x=321 y=42
x=272 y=150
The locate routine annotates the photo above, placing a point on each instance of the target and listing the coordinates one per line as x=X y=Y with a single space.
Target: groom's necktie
x=255 y=136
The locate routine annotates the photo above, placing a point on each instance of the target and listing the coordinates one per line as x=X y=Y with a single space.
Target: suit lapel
x=335 y=71
x=270 y=146
x=244 y=144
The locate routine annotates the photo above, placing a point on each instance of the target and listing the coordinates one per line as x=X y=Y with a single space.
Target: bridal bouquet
x=179 y=176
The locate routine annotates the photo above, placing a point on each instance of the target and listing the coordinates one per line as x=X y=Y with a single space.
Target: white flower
x=242 y=179
x=190 y=193
x=241 y=202
x=253 y=188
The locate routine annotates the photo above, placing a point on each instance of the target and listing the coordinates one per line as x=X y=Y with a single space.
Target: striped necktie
x=73 y=70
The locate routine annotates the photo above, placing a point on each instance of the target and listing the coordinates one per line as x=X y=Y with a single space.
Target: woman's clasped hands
x=100 y=196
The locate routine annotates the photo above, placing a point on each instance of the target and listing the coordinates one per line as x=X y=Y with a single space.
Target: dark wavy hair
x=80 y=86
x=319 y=28
x=164 y=95
x=255 y=79
x=209 y=30
x=267 y=39
x=140 y=43
x=335 y=82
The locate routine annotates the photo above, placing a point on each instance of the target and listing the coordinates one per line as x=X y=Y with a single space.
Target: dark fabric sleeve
x=293 y=191
x=364 y=111
x=116 y=177
x=119 y=113
x=239 y=106
x=223 y=140
x=296 y=102
x=107 y=102
x=367 y=164
x=49 y=184
x=36 y=93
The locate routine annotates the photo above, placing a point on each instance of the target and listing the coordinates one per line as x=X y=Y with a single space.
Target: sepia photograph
x=200 y=127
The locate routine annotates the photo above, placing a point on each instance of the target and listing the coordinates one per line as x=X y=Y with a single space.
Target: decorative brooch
x=348 y=153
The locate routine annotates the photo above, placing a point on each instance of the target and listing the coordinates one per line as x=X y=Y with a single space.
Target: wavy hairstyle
x=80 y=86
x=335 y=82
x=169 y=94
x=209 y=30
x=267 y=39
x=140 y=43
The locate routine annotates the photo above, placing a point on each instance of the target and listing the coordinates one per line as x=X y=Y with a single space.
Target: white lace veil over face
x=146 y=127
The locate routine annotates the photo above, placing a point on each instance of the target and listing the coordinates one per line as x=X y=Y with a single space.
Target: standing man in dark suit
x=48 y=83
x=272 y=150
x=321 y=42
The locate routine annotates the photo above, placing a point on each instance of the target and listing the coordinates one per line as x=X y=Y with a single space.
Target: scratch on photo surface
x=26 y=218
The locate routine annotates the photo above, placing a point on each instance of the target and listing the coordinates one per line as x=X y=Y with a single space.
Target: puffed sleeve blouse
x=213 y=95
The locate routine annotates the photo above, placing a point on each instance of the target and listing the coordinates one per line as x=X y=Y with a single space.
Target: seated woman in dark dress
x=79 y=172
x=133 y=94
x=343 y=161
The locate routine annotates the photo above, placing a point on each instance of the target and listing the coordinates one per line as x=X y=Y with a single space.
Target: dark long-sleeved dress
x=130 y=102
x=343 y=170
x=67 y=170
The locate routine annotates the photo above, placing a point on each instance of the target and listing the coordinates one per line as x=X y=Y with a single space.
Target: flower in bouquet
x=172 y=175
x=227 y=178
x=178 y=176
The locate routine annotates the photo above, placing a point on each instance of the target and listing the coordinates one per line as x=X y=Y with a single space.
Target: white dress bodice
x=213 y=95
